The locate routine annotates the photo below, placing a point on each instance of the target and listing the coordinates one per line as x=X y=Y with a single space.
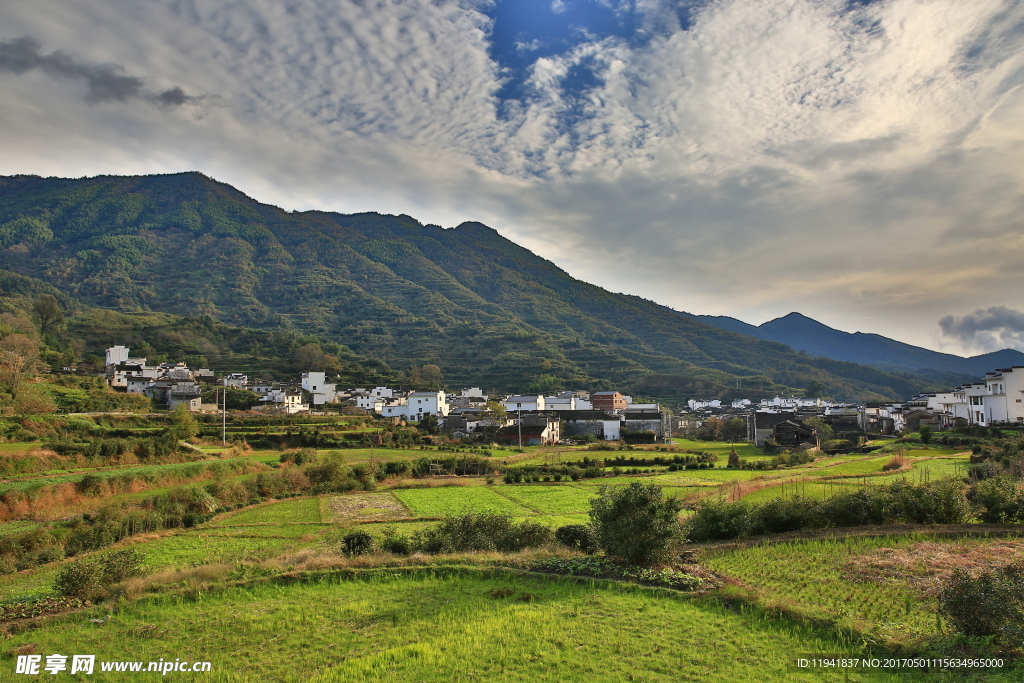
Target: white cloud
x=990 y=329
x=778 y=155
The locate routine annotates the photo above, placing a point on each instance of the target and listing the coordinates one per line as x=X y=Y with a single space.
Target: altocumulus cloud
x=746 y=157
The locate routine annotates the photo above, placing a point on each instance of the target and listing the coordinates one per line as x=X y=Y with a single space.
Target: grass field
x=814 y=577
x=453 y=500
x=297 y=511
x=549 y=500
x=436 y=625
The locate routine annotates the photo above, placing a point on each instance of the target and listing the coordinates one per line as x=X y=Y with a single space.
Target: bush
x=718 y=519
x=90 y=577
x=864 y=506
x=940 y=502
x=578 y=537
x=357 y=543
x=635 y=523
x=998 y=499
x=482 y=531
x=79 y=579
x=121 y=565
x=396 y=543
x=783 y=514
x=989 y=604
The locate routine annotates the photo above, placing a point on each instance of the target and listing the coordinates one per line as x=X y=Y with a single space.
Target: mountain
x=816 y=339
x=393 y=292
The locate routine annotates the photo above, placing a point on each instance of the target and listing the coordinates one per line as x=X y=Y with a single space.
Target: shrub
x=121 y=565
x=864 y=506
x=79 y=579
x=357 y=543
x=482 y=531
x=395 y=542
x=717 y=519
x=989 y=604
x=998 y=499
x=940 y=502
x=578 y=537
x=783 y=514
x=636 y=522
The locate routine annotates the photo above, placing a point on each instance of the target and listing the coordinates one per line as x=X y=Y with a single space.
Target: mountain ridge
x=484 y=309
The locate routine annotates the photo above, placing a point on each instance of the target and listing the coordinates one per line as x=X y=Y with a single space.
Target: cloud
x=104 y=82
x=854 y=161
x=988 y=329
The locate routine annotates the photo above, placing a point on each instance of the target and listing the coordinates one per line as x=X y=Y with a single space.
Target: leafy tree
x=815 y=389
x=544 y=384
x=822 y=430
x=428 y=424
x=925 y=432
x=183 y=423
x=19 y=360
x=430 y=375
x=635 y=523
x=48 y=314
x=735 y=429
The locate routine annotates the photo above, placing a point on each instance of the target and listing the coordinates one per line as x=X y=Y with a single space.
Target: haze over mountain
x=816 y=339
x=397 y=293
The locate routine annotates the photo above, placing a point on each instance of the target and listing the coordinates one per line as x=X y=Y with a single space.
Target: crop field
x=453 y=500
x=827 y=579
x=185 y=470
x=549 y=500
x=437 y=625
x=294 y=511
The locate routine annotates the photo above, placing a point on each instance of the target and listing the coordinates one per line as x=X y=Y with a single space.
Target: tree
x=427 y=424
x=544 y=384
x=815 y=389
x=635 y=523
x=735 y=429
x=430 y=375
x=19 y=360
x=183 y=423
x=48 y=314
x=925 y=432
x=822 y=430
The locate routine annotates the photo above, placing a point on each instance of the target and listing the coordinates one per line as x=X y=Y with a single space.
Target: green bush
x=989 y=604
x=783 y=514
x=482 y=531
x=578 y=537
x=395 y=542
x=940 y=502
x=636 y=522
x=121 y=565
x=357 y=543
x=856 y=508
x=998 y=500
x=718 y=519
x=79 y=579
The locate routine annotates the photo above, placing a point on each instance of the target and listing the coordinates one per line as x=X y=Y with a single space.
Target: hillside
x=391 y=290
x=808 y=335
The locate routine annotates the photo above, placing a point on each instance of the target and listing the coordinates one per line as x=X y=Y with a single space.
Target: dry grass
x=312 y=559
x=360 y=507
x=898 y=462
x=201 y=577
x=927 y=565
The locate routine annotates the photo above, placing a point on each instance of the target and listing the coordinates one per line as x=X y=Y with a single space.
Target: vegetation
x=635 y=523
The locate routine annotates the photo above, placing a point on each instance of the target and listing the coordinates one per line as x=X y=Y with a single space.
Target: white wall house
x=516 y=403
x=371 y=403
x=316 y=384
x=417 y=404
x=473 y=392
x=236 y=380
x=561 y=402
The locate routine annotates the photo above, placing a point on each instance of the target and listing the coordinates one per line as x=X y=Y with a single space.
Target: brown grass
x=927 y=565
x=360 y=507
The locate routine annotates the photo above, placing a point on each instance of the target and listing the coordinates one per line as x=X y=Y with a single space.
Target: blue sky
x=858 y=162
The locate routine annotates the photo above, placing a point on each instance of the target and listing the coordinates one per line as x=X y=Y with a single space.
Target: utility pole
x=520 y=422
x=224 y=416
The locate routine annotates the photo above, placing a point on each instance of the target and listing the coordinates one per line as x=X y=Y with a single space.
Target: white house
x=371 y=403
x=516 y=403
x=473 y=392
x=236 y=380
x=417 y=404
x=288 y=399
x=316 y=384
x=561 y=402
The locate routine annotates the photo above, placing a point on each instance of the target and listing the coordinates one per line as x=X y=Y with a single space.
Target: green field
x=812 y=577
x=437 y=625
x=453 y=500
x=550 y=500
x=297 y=511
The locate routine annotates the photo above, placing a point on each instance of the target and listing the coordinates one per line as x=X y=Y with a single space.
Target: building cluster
x=998 y=399
x=605 y=415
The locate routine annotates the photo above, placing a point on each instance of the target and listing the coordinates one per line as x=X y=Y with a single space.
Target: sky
x=857 y=161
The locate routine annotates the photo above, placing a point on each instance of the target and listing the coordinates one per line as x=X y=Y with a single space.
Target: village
x=578 y=415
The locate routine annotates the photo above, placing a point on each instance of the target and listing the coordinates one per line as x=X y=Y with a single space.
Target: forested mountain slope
x=394 y=291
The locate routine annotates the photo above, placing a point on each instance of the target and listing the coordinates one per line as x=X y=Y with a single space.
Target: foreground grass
x=445 y=625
